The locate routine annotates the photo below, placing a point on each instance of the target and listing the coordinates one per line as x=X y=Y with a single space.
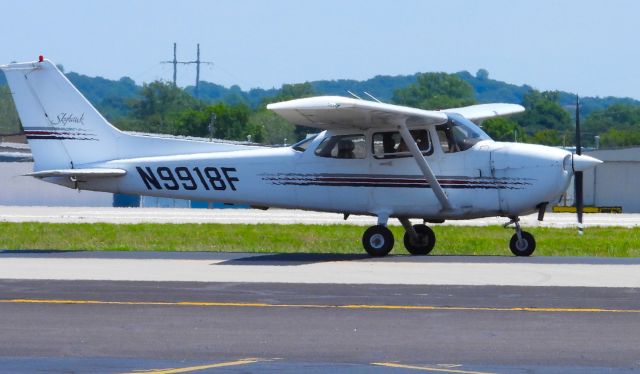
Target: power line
x=197 y=61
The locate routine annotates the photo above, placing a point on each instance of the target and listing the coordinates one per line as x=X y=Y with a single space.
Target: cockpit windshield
x=459 y=134
x=302 y=145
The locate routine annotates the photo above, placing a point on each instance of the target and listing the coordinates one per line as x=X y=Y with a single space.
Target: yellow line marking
x=318 y=306
x=243 y=361
x=427 y=368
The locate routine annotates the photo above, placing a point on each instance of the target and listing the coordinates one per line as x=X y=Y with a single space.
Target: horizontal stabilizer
x=82 y=173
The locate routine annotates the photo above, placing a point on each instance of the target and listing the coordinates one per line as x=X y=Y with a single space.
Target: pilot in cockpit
x=345 y=148
x=421 y=138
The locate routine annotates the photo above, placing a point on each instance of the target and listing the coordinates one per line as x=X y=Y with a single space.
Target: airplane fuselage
x=489 y=179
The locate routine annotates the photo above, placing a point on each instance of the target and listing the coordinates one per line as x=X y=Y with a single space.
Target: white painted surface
x=343 y=272
x=279 y=216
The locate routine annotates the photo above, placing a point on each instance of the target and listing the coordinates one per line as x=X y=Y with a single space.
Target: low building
x=615 y=182
x=18 y=189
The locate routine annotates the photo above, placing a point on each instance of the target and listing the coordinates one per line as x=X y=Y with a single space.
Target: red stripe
x=39 y=132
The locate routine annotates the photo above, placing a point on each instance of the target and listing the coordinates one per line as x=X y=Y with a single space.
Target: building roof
x=617 y=155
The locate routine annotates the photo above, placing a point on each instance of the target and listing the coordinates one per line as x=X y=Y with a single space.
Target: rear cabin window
x=391 y=145
x=342 y=146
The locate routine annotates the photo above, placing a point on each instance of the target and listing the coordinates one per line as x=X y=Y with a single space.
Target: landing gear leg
x=522 y=243
x=418 y=239
x=378 y=240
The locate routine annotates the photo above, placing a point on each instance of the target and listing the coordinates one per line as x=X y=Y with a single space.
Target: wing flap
x=79 y=173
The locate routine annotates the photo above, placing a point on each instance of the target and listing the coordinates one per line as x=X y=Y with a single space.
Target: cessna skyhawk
x=370 y=158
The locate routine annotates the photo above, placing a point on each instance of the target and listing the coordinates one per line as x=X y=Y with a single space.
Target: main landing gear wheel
x=523 y=246
x=421 y=245
x=378 y=241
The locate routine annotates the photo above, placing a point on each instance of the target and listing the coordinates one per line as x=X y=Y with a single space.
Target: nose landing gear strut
x=522 y=243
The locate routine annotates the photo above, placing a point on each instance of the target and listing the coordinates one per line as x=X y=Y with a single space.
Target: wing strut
x=424 y=165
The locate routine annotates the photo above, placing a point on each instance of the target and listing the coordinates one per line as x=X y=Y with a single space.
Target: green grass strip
x=451 y=240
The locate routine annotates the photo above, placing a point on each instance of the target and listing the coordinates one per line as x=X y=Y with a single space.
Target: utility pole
x=211 y=126
x=197 y=61
x=174 y=62
x=198 y=71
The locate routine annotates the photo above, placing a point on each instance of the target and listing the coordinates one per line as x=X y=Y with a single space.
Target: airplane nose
x=583 y=162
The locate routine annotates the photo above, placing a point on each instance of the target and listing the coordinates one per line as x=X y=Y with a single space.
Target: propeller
x=577 y=181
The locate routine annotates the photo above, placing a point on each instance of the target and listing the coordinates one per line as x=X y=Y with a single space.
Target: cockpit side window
x=342 y=146
x=391 y=145
x=447 y=139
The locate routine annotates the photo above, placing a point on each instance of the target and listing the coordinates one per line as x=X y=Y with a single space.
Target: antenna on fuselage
x=354 y=95
x=371 y=96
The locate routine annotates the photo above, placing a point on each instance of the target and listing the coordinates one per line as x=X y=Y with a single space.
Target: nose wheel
x=378 y=241
x=522 y=243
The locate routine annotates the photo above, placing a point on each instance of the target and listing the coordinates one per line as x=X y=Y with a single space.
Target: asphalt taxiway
x=69 y=319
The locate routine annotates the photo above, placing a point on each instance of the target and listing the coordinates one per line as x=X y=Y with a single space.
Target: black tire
x=523 y=248
x=426 y=242
x=378 y=241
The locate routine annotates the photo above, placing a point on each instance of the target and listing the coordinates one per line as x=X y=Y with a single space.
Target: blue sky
x=586 y=46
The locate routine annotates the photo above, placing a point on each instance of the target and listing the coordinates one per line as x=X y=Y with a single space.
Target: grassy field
x=451 y=240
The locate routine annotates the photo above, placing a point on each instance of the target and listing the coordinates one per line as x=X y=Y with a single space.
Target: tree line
x=545 y=120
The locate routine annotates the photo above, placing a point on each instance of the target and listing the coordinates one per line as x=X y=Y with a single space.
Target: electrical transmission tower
x=197 y=61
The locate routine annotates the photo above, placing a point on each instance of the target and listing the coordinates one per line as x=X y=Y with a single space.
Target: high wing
x=483 y=111
x=337 y=112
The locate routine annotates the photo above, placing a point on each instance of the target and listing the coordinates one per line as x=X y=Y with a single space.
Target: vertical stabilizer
x=62 y=127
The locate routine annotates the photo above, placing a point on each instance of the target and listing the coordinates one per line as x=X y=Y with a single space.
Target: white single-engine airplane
x=371 y=158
